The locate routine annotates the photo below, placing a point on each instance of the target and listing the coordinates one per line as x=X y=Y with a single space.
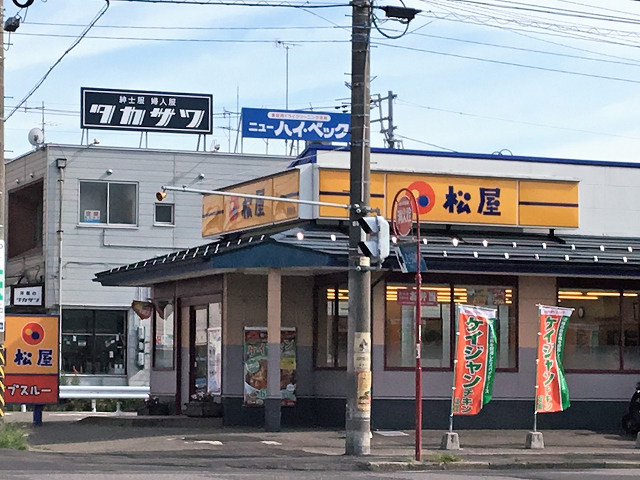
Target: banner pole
x=535 y=398
x=455 y=363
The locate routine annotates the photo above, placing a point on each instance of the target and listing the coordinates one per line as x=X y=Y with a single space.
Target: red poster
x=31 y=389
x=475 y=359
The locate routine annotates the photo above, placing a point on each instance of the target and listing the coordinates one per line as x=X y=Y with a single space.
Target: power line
x=512 y=64
x=73 y=45
x=166 y=27
x=507 y=120
x=241 y=3
x=185 y=40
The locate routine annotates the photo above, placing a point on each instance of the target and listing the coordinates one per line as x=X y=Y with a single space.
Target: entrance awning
x=312 y=248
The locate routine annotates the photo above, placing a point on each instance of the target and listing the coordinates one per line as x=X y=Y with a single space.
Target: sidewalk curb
x=465 y=465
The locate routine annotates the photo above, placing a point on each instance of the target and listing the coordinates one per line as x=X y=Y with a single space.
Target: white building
x=75 y=210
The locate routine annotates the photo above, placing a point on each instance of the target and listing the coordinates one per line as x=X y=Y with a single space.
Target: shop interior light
x=506 y=256
x=455 y=241
x=485 y=243
x=514 y=244
x=603 y=294
x=300 y=235
x=566 y=257
x=602 y=248
x=475 y=254
x=333 y=237
x=536 y=256
x=573 y=247
x=629 y=294
x=544 y=245
x=424 y=240
x=624 y=259
x=630 y=249
x=595 y=258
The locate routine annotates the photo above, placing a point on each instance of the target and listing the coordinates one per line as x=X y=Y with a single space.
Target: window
x=25 y=220
x=604 y=330
x=438 y=320
x=331 y=337
x=164 y=214
x=163 y=330
x=108 y=203
x=93 y=341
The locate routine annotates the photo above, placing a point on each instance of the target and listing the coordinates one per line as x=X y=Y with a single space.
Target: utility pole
x=358 y=414
x=3 y=200
x=387 y=132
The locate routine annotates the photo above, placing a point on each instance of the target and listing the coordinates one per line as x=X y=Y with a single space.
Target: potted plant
x=203 y=404
x=152 y=406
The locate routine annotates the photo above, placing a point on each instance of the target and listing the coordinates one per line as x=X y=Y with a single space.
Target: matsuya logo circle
x=425 y=196
x=33 y=333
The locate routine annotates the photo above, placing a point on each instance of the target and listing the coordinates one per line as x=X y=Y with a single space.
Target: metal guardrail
x=103 y=391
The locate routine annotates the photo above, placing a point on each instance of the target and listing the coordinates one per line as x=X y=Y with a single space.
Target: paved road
x=189 y=474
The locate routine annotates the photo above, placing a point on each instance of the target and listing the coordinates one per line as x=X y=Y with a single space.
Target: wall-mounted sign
x=222 y=214
x=31 y=372
x=144 y=111
x=463 y=199
x=296 y=125
x=27 y=295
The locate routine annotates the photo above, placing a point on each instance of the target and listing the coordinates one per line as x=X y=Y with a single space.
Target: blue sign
x=406 y=255
x=296 y=125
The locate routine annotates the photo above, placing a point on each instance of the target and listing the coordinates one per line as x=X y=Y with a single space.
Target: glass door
x=199 y=359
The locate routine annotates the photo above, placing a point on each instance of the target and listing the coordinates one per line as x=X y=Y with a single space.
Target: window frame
x=335 y=280
x=107 y=224
x=93 y=335
x=154 y=329
x=158 y=223
x=621 y=286
x=453 y=280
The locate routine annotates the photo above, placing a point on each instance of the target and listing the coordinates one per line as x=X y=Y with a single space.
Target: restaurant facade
x=270 y=288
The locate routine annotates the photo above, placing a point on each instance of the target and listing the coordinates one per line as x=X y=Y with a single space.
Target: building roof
x=313 y=247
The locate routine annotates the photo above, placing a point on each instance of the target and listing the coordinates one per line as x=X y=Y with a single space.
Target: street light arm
x=186 y=189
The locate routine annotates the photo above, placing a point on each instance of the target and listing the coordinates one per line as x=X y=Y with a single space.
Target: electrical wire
x=512 y=64
x=240 y=3
x=425 y=143
x=73 y=45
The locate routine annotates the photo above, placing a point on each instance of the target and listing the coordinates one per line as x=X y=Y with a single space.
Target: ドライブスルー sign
x=296 y=125
x=146 y=111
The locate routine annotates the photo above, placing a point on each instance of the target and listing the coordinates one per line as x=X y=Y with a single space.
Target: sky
x=542 y=78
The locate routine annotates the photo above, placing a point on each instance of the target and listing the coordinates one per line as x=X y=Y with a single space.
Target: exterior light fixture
x=506 y=256
x=624 y=259
x=444 y=253
x=424 y=240
x=333 y=237
x=455 y=241
x=602 y=248
x=566 y=257
x=485 y=243
x=402 y=13
x=160 y=196
x=573 y=247
x=630 y=249
x=514 y=244
x=475 y=254
x=300 y=235
x=544 y=245
x=109 y=171
x=595 y=258
x=201 y=176
x=536 y=256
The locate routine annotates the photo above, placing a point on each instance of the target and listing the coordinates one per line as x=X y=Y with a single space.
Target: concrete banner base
x=534 y=441
x=450 y=441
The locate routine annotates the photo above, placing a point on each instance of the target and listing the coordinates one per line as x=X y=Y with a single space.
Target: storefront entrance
x=205 y=349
